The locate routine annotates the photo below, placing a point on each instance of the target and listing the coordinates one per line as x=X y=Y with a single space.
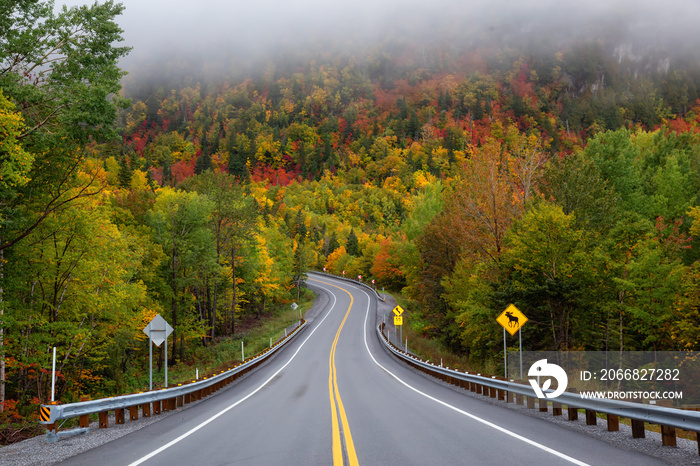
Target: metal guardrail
x=350 y=280
x=174 y=396
x=668 y=418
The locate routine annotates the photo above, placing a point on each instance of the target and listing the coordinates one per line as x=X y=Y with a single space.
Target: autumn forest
x=461 y=178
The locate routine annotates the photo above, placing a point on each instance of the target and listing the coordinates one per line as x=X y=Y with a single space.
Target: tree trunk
x=173 y=302
x=234 y=297
x=212 y=320
x=2 y=329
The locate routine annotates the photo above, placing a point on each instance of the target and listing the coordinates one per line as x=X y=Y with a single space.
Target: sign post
x=398 y=320
x=512 y=320
x=53 y=376
x=158 y=331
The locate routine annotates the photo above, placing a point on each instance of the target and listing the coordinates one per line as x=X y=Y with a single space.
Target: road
x=335 y=396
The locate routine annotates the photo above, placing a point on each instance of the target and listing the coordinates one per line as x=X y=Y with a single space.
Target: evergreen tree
x=202 y=164
x=167 y=173
x=125 y=172
x=332 y=244
x=236 y=163
x=352 y=246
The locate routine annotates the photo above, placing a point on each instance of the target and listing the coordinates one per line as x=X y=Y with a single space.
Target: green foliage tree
x=552 y=269
x=351 y=244
x=181 y=225
x=61 y=71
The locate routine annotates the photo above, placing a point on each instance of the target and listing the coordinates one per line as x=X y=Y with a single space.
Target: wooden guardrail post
x=104 y=419
x=613 y=422
x=543 y=405
x=637 y=428
x=571 y=410
x=156 y=407
x=668 y=436
x=84 y=420
x=556 y=409
x=134 y=413
x=530 y=402
x=591 y=418
x=119 y=416
x=146 y=410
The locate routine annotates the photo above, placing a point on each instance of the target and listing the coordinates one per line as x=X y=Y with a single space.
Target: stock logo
x=542 y=369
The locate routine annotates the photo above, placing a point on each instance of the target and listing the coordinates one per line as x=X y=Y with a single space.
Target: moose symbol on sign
x=512 y=320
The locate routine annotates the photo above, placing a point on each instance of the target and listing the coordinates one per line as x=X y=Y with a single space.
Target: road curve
x=335 y=396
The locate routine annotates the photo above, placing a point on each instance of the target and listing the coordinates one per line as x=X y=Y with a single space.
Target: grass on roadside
x=224 y=353
x=431 y=349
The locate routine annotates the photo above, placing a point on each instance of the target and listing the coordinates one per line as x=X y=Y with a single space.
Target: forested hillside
x=465 y=174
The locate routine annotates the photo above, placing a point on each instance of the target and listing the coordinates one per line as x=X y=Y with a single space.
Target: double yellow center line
x=337 y=409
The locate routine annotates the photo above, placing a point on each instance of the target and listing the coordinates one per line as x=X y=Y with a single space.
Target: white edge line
x=476 y=418
x=229 y=408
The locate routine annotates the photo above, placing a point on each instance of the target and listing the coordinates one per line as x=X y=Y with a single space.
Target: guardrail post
x=188 y=398
x=103 y=419
x=172 y=404
x=119 y=416
x=134 y=413
x=668 y=436
x=697 y=439
x=543 y=405
x=156 y=407
x=146 y=410
x=591 y=418
x=572 y=411
x=637 y=428
x=556 y=408
x=519 y=399
x=613 y=422
x=84 y=420
x=179 y=401
x=52 y=427
x=530 y=402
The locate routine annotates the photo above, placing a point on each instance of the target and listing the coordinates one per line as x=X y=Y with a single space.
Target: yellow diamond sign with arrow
x=511 y=319
x=398 y=310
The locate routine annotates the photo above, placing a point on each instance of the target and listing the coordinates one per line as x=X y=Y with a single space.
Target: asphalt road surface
x=335 y=396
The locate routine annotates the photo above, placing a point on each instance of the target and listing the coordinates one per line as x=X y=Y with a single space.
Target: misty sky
x=159 y=28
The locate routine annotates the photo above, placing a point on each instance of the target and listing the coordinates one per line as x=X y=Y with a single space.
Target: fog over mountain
x=219 y=34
